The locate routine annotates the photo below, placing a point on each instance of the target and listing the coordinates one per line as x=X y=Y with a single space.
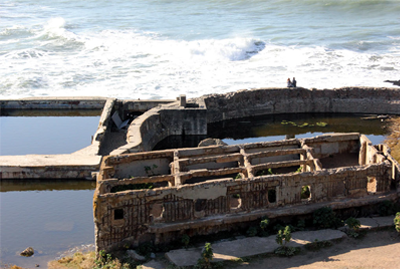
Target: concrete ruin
x=150 y=121
x=159 y=196
x=205 y=190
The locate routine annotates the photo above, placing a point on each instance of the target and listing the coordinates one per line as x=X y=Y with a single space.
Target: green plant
x=105 y=261
x=299 y=170
x=264 y=223
x=387 y=208
x=252 y=231
x=238 y=176
x=396 y=222
x=353 y=223
x=325 y=218
x=264 y=226
x=139 y=186
x=321 y=124
x=185 y=240
x=301 y=224
x=282 y=238
x=150 y=170
x=206 y=257
x=354 y=226
x=305 y=192
x=264 y=172
x=145 y=249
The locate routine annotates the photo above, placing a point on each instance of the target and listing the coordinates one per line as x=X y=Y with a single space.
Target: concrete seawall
x=247 y=103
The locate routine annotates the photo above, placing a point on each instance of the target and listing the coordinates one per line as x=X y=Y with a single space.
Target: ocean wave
x=134 y=64
x=25 y=54
x=54 y=35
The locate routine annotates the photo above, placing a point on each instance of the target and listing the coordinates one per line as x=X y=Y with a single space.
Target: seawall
x=267 y=101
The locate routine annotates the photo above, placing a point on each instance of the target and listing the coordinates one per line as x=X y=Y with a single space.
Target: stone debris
x=212 y=142
x=152 y=265
x=27 y=252
x=134 y=255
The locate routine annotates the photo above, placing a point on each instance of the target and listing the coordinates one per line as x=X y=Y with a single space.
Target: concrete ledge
x=375 y=223
x=55 y=103
x=230 y=250
x=48 y=166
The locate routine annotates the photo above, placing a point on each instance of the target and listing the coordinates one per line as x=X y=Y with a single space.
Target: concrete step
x=250 y=246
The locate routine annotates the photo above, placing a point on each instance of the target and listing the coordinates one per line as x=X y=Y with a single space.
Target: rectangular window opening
x=235 y=201
x=118 y=214
x=272 y=196
x=305 y=192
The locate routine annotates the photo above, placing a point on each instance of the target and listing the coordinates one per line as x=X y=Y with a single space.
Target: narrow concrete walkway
x=246 y=247
x=48 y=166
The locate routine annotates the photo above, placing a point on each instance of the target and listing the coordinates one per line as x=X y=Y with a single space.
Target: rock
x=394 y=82
x=27 y=252
x=133 y=254
x=211 y=142
x=152 y=256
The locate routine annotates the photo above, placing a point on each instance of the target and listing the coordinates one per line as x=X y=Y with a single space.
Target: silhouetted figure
x=294 y=82
x=289 y=83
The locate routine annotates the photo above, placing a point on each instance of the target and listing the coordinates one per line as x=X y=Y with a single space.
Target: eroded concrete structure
x=205 y=190
x=150 y=121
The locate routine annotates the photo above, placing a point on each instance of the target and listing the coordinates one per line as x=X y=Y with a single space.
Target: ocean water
x=152 y=49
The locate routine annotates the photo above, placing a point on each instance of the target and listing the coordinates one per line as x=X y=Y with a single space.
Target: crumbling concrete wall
x=219 y=200
x=249 y=103
x=158 y=123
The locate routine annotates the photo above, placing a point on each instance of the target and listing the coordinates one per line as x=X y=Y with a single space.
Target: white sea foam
x=140 y=57
x=127 y=64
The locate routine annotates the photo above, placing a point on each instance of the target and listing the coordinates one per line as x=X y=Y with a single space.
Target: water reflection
x=276 y=127
x=299 y=124
x=46 y=135
x=46 y=185
x=50 y=216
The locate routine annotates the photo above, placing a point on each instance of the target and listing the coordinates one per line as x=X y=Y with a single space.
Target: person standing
x=294 y=82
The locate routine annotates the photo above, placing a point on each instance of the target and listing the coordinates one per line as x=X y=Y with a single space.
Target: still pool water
x=277 y=127
x=47 y=133
x=51 y=216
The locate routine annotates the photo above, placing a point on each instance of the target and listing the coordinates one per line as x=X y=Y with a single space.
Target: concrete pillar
x=182 y=100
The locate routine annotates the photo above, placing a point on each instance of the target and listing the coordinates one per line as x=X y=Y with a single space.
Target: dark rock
x=27 y=252
x=394 y=82
x=134 y=255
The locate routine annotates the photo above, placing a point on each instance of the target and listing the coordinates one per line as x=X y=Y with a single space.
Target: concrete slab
x=244 y=247
x=184 y=257
x=304 y=237
x=152 y=265
x=385 y=221
x=49 y=160
x=250 y=246
x=48 y=166
x=377 y=222
x=368 y=223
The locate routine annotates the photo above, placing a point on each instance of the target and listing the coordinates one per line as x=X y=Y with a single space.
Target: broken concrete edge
x=254 y=246
x=54 y=103
x=154 y=125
